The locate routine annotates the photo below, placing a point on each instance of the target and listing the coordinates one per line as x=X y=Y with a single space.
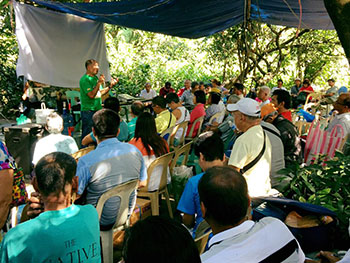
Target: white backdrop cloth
x=53 y=47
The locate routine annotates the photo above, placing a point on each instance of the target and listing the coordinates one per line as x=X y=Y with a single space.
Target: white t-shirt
x=252 y=242
x=276 y=88
x=54 y=143
x=246 y=148
x=148 y=95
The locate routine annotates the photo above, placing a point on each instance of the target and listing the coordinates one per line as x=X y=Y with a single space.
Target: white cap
x=247 y=106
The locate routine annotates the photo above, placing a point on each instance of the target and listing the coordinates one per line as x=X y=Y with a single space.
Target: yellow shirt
x=246 y=148
x=163 y=119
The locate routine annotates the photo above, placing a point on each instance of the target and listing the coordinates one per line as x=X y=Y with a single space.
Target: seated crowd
x=240 y=148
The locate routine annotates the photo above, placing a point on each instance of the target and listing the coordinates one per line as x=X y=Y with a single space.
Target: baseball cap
x=247 y=106
x=267 y=109
x=297 y=79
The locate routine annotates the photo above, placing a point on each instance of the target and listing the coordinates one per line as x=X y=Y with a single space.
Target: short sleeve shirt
x=67 y=235
x=148 y=95
x=189 y=202
x=334 y=90
x=110 y=164
x=165 y=120
x=246 y=148
x=187 y=97
x=6 y=159
x=131 y=128
x=87 y=84
x=54 y=143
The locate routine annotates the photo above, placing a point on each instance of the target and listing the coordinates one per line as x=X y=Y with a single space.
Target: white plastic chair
x=167 y=134
x=216 y=118
x=190 y=134
x=163 y=160
x=123 y=191
x=183 y=126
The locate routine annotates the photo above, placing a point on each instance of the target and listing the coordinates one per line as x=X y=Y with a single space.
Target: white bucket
x=41 y=114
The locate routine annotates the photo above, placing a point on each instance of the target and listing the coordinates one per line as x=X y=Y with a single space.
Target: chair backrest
x=200 y=120
x=302 y=127
x=182 y=125
x=77 y=155
x=202 y=235
x=164 y=161
x=123 y=191
x=216 y=117
x=167 y=134
x=184 y=150
x=71 y=95
x=314 y=96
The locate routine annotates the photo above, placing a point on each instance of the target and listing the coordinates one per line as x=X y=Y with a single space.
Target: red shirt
x=196 y=113
x=163 y=92
x=181 y=91
x=309 y=88
x=287 y=115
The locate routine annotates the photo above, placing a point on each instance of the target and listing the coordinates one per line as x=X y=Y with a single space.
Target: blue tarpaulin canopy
x=198 y=18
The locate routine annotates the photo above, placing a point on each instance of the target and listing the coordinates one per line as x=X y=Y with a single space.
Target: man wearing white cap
x=251 y=153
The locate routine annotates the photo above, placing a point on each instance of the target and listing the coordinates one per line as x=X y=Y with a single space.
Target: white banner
x=53 y=47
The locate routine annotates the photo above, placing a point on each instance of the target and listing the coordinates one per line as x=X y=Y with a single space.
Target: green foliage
x=11 y=90
x=326 y=185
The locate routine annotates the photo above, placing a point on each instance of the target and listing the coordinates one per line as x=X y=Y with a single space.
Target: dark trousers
x=86 y=122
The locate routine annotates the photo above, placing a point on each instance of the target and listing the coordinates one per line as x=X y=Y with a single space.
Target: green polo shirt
x=87 y=84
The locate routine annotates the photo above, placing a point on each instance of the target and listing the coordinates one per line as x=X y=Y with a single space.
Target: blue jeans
x=86 y=122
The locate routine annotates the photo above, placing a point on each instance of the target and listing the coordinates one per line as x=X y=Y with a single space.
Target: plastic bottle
x=68 y=121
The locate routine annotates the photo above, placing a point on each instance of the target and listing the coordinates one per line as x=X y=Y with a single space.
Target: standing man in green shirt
x=91 y=90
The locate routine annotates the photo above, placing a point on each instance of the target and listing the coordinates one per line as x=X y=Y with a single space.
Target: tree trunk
x=339 y=12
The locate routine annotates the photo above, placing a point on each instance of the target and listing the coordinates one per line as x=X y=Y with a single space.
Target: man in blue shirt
x=210 y=150
x=110 y=164
x=62 y=232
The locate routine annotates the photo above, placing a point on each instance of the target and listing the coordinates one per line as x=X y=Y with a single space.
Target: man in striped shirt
x=224 y=203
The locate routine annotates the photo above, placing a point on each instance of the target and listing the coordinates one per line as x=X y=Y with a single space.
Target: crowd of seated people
x=261 y=139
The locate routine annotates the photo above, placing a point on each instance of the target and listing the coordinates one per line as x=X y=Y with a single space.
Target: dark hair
x=283 y=96
x=210 y=145
x=160 y=101
x=216 y=82
x=331 y=80
x=224 y=193
x=172 y=97
x=161 y=240
x=106 y=123
x=137 y=108
x=306 y=82
x=346 y=101
x=89 y=62
x=54 y=171
x=146 y=131
x=194 y=84
x=280 y=80
x=215 y=98
x=167 y=84
x=239 y=86
x=201 y=83
x=112 y=103
x=200 y=96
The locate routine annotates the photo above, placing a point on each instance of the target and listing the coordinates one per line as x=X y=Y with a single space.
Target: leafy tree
x=11 y=89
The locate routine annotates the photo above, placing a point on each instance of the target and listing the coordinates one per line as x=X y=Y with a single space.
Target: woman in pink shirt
x=197 y=112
